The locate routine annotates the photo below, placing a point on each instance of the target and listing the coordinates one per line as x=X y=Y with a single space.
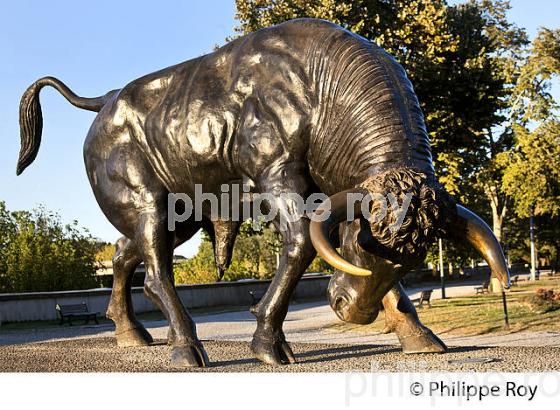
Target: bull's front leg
x=269 y=343
x=401 y=318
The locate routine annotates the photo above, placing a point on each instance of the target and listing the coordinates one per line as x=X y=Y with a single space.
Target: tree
x=201 y=268
x=507 y=46
x=532 y=179
x=318 y=265
x=549 y=239
x=254 y=256
x=532 y=98
x=38 y=253
x=531 y=168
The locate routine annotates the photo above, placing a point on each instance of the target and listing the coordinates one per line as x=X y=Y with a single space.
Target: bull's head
x=378 y=252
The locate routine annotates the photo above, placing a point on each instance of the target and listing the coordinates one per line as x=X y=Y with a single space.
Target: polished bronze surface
x=299 y=108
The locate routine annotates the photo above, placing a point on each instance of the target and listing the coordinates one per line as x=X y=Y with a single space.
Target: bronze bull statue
x=302 y=107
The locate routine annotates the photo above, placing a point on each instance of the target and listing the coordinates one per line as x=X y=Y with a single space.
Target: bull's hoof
x=273 y=352
x=424 y=342
x=189 y=356
x=134 y=337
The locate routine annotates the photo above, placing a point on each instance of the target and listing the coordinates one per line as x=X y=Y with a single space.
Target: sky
x=98 y=46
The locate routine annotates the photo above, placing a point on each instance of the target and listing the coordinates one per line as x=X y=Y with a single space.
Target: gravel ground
x=102 y=355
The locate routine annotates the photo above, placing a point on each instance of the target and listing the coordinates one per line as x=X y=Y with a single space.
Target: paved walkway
x=306 y=323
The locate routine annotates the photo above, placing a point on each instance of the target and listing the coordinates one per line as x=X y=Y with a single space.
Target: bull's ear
x=367 y=241
x=335 y=235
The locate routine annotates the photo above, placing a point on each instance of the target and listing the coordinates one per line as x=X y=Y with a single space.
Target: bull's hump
x=368 y=116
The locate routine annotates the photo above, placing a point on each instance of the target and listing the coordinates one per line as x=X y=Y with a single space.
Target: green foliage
x=320 y=266
x=256 y=255
x=458 y=254
x=105 y=253
x=533 y=101
x=39 y=253
x=201 y=268
x=530 y=167
x=532 y=170
x=548 y=237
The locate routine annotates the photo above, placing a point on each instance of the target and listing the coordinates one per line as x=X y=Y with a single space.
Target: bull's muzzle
x=346 y=307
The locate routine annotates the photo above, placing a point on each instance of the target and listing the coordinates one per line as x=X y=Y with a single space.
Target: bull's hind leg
x=401 y=318
x=155 y=243
x=135 y=201
x=129 y=331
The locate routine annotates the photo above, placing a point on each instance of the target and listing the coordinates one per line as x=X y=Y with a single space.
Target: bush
x=38 y=253
x=320 y=266
x=255 y=256
x=543 y=301
x=105 y=253
x=201 y=268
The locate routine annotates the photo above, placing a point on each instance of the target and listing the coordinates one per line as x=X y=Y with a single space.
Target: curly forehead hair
x=425 y=218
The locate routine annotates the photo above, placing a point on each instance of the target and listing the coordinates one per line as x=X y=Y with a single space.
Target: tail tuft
x=31 y=119
x=31 y=127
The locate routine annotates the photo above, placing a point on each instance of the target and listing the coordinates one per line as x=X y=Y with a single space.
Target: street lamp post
x=441 y=269
x=504 y=302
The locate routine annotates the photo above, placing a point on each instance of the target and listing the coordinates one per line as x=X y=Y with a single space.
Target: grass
x=481 y=314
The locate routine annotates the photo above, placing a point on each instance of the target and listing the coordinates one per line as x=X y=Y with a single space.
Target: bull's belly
x=189 y=173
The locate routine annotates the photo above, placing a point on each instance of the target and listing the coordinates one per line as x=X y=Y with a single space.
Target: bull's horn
x=482 y=238
x=320 y=230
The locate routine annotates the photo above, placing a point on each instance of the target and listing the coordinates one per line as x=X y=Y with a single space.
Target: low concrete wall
x=22 y=307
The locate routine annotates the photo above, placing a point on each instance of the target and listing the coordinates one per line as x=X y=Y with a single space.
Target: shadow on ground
x=102 y=355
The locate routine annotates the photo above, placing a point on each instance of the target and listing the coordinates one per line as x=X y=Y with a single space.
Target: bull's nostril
x=339 y=303
x=339 y=306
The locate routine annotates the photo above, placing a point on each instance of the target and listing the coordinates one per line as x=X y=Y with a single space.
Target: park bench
x=77 y=311
x=482 y=289
x=425 y=296
x=514 y=280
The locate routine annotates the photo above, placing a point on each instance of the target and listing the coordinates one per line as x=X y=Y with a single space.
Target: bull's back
x=233 y=112
x=283 y=93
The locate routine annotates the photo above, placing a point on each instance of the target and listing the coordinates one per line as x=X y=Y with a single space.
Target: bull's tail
x=31 y=119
